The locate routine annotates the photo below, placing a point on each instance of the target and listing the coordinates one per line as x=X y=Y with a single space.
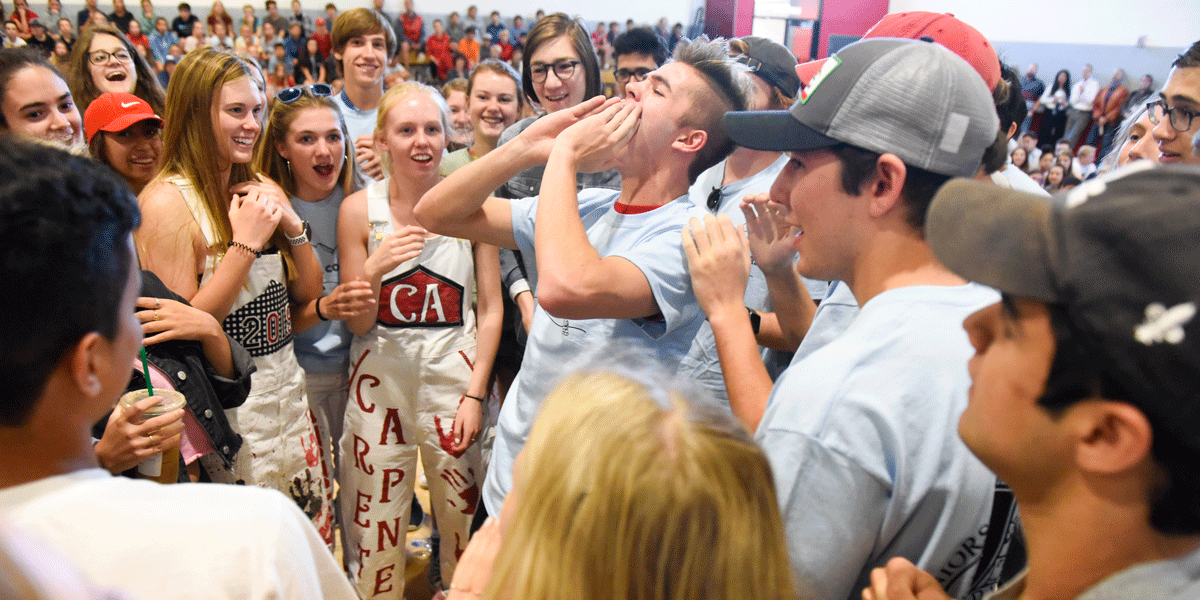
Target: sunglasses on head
x=290 y=95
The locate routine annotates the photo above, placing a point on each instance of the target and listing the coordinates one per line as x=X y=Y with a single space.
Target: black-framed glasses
x=292 y=94
x=638 y=74
x=563 y=69
x=1180 y=118
x=100 y=57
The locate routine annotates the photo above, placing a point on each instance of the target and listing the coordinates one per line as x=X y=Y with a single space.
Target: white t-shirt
x=651 y=241
x=1015 y=179
x=862 y=436
x=181 y=541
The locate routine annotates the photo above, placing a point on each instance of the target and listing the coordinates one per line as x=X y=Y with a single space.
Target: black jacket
x=208 y=394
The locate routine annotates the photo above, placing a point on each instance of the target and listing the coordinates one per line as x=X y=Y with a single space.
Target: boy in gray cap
x=861 y=432
x=1084 y=395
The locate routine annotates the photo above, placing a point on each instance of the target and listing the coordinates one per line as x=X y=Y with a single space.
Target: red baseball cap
x=945 y=29
x=116 y=111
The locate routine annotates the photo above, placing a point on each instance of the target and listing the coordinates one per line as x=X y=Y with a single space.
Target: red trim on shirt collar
x=630 y=209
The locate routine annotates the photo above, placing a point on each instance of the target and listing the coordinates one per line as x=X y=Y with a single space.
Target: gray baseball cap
x=1120 y=252
x=911 y=98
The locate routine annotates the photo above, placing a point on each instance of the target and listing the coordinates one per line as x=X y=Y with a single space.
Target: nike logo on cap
x=128 y=104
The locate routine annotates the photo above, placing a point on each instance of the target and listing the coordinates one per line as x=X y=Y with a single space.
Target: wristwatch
x=302 y=238
x=755 y=320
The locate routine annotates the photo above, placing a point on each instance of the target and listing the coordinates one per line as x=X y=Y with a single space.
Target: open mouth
x=422 y=158
x=558 y=98
x=115 y=76
x=247 y=142
x=142 y=162
x=324 y=170
x=492 y=119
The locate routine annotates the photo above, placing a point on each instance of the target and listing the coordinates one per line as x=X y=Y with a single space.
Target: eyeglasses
x=1181 y=119
x=292 y=94
x=638 y=74
x=563 y=69
x=100 y=57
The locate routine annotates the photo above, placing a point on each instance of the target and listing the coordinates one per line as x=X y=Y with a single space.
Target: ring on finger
x=157 y=304
x=157 y=317
x=152 y=440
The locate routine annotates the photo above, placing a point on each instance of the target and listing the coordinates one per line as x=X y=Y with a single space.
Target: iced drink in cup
x=164 y=466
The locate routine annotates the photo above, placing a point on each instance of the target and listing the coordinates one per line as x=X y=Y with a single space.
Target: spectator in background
x=270 y=35
x=247 y=45
x=12 y=38
x=331 y=13
x=161 y=40
x=53 y=11
x=218 y=14
x=249 y=18
x=494 y=27
x=168 y=67
x=637 y=52
x=1032 y=89
x=136 y=37
x=1137 y=98
x=148 y=17
x=455 y=93
x=438 y=47
x=22 y=16
x=472 y=19
x=454 y=28
x=61 y=56
x=185 y=22
x=412 y=30
x=469 y=48
x=298 y=16
x=1083 y=93
x=85 y=15
x=1106 y=112
x=39 y=39
x=459 y=70
x=310 y=66
x=293 y=40
x=379 y=9
x=505 y=46
x=66 y=32
x=278 y=22
x=120 y=17
x=676 y=37
x=220 y=38
x=1055 y=105
x=1019 y=159
x=279 y=57
x=1087 y=161
x=518 y=27
x=321 y=34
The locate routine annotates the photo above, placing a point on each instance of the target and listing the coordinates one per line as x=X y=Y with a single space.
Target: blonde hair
x=392 y=98
x=189 y=139
x=629 y=492
x=268 y=161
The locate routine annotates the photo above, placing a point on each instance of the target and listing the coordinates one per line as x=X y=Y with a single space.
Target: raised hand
x=769 y=235
x=595 y=140
x=539 y=137
x=395 y=249
x=367 y=157
x=718 y=261
x=253 y=218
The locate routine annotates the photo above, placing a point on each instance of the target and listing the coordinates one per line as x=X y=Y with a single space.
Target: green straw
x=146 y=372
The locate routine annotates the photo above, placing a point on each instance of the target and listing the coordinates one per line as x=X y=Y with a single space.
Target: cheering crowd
x=660 y=318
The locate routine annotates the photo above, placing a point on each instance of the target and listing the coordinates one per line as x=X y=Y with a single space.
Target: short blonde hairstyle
x=392 y=98
x=626 y=491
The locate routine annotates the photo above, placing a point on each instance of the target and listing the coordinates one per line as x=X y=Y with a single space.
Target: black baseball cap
x=1120 y=252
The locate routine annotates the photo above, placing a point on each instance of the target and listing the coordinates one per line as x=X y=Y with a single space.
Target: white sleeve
x=300 y=566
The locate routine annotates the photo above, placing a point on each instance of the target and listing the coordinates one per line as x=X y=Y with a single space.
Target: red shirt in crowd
x=324 y=43
x=413 y=27
x=438 y=47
